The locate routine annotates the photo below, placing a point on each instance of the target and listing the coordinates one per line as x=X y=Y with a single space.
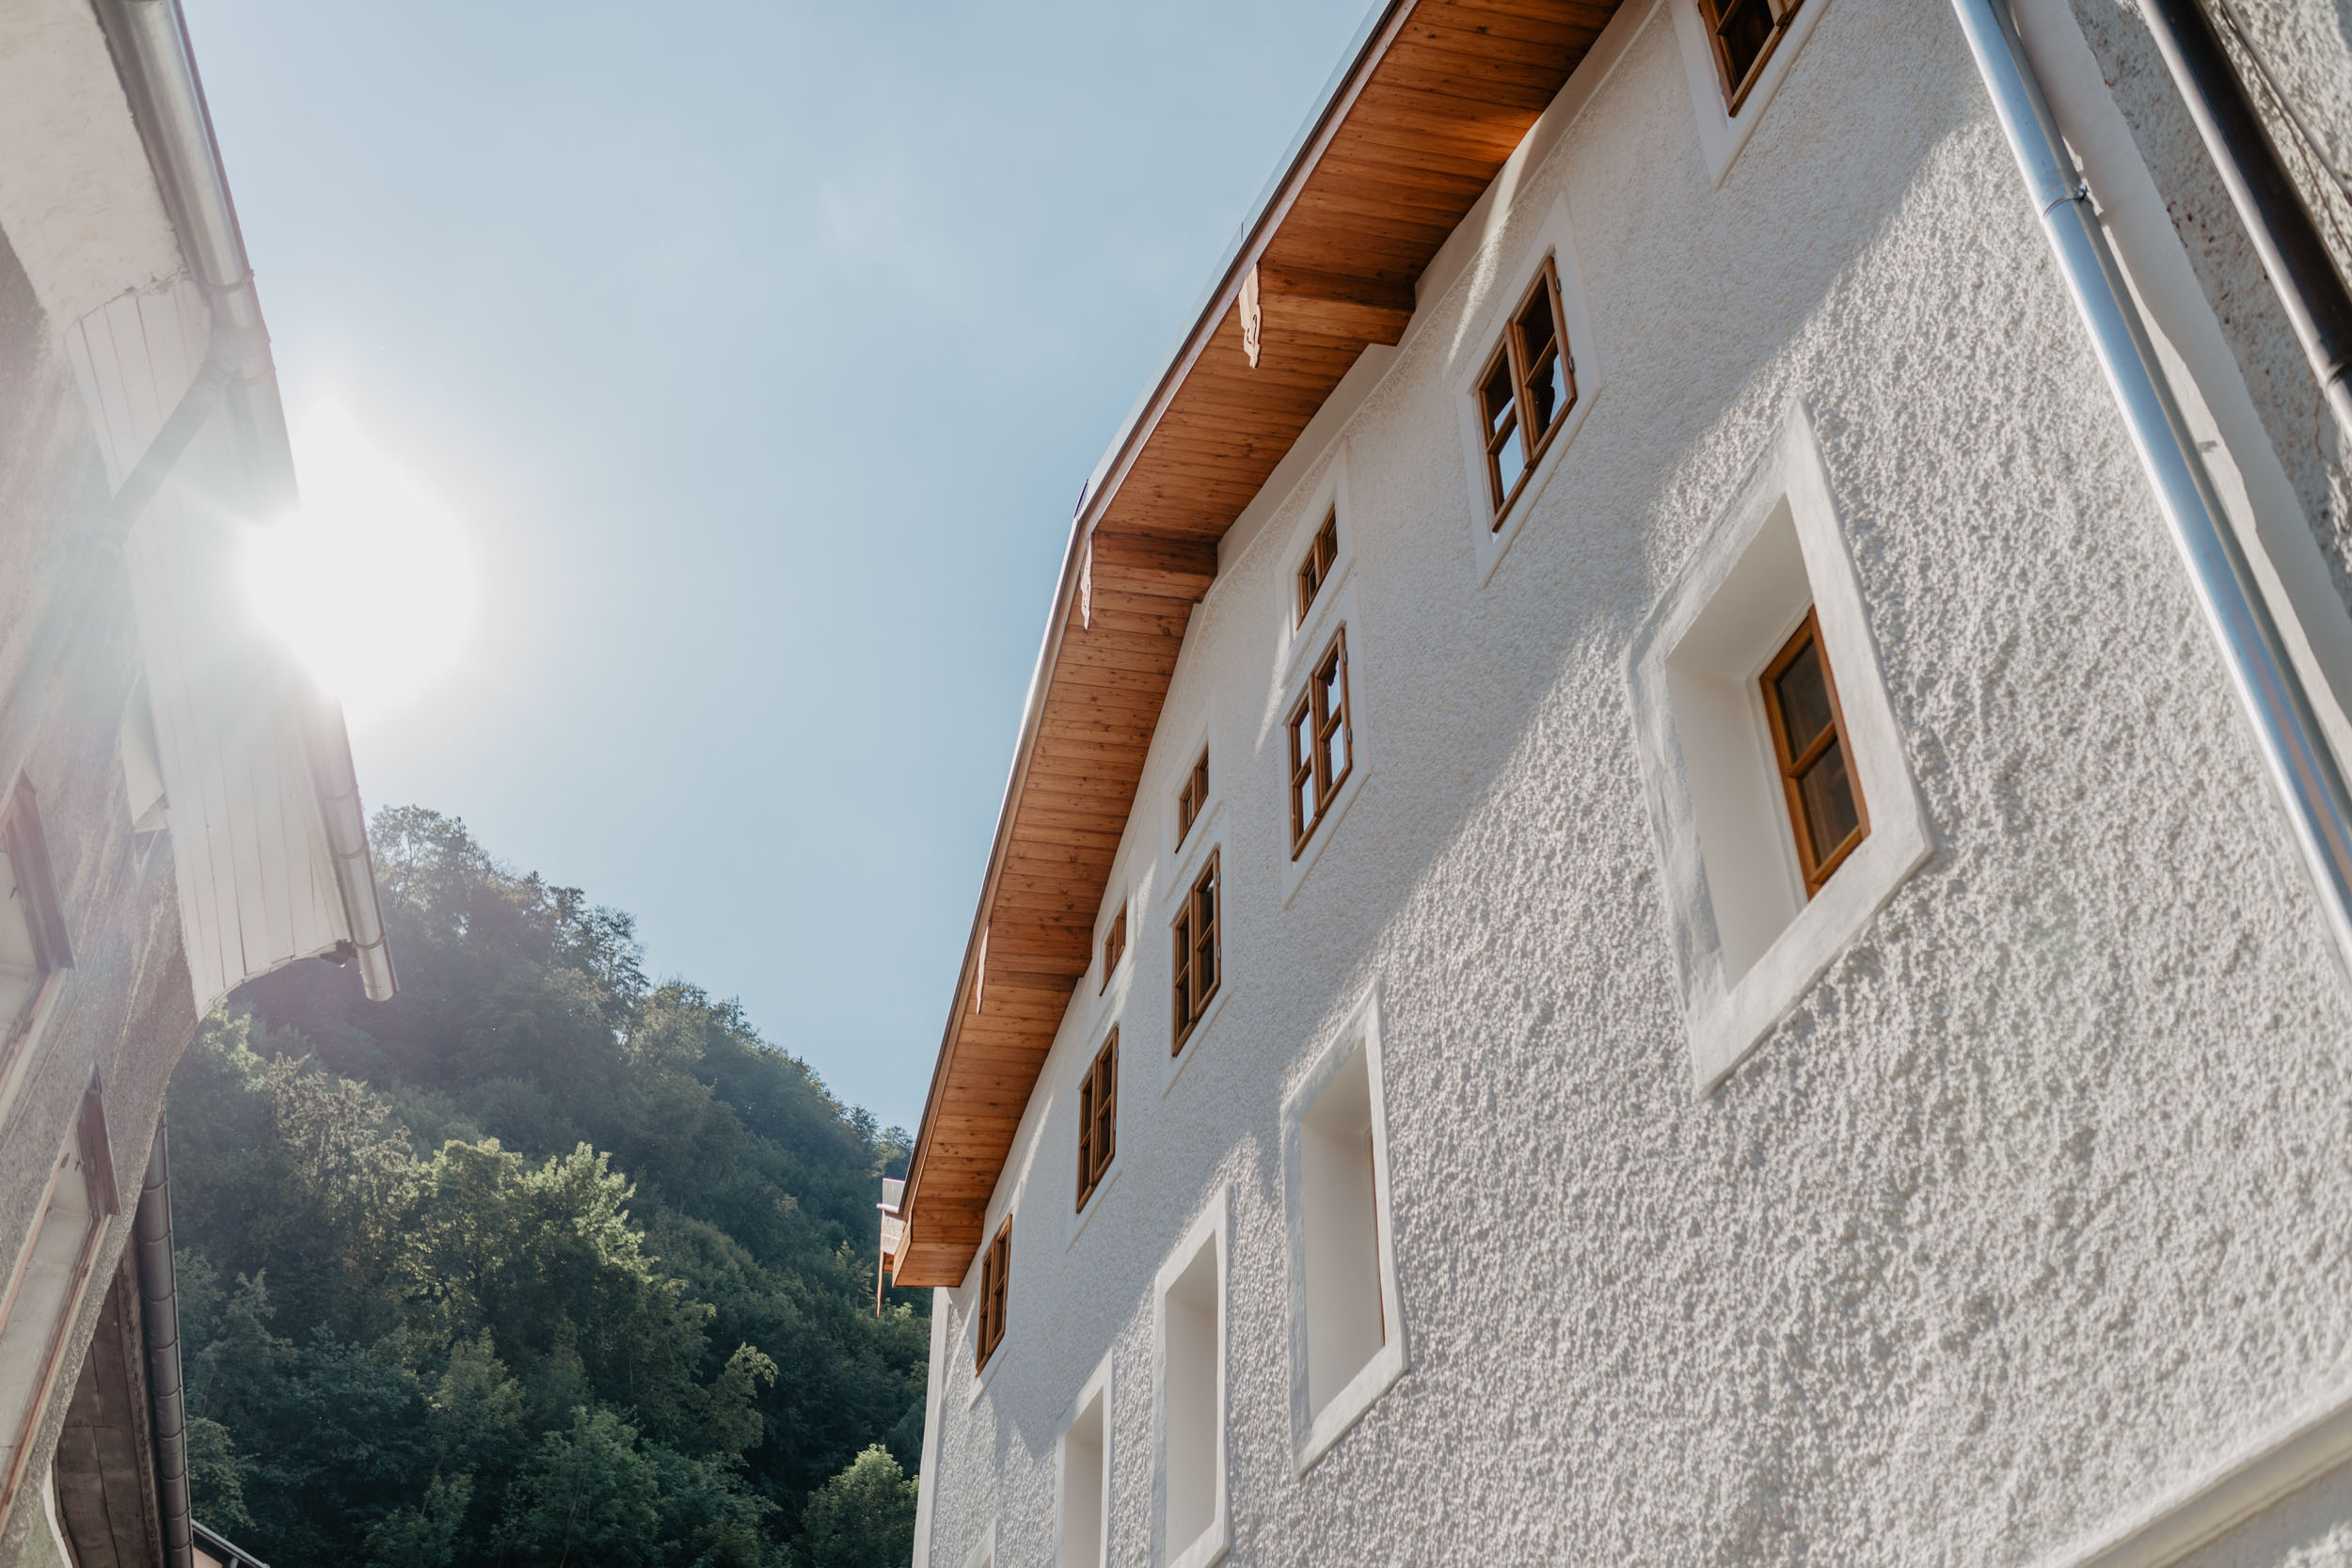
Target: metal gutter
x=150 y=40
x=1379 y=30
x=2267 y=200
x=2286 y=731
x=159 y=1327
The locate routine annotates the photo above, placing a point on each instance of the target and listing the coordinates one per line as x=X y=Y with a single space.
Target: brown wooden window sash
x=1315 y=570
x=1742 y=34
x=1114 y=947
x=1531 y=370
x=1322 y=742
x=1198 y=962
x=1193 y=799
x=1098 y=1119
x=995 y=1272
x=1826 y=811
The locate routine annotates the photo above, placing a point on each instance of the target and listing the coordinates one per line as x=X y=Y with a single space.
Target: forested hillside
x=538 y=1263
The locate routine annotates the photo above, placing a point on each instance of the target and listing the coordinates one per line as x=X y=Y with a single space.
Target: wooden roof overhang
x=1436 y=97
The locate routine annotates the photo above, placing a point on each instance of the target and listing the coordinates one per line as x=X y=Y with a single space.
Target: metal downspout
x=2267 y=202
x=2286 y=731
x=150 y=41
x=159 y=1326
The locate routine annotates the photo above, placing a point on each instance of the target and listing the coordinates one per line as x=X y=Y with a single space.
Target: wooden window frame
x=1512 y=348
x=1712 y=18
x=1315 y=568
x=995 y=1276
x=89 y=1138
x=1198 y=930
x=1192 y=797
x=1098 y=1120
x=1313 y=774
x=1813 y=866
x=1114 y=947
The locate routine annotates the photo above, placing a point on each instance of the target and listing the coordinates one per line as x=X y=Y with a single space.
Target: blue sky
x=762 y=350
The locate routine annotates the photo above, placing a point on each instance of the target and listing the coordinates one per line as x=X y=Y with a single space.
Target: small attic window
x=1315 y=570
x=1193 y=799
x=1114 y=946
x=32 y=925
x=1744 y=33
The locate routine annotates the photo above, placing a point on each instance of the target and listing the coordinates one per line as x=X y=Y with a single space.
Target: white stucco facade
x=2016 y=1211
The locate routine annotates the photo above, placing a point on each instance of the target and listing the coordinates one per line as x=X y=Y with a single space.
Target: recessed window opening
x=1114 y=946
x=995 y=1274
x=45 y=1287
x=1744 y=34
x=1826 y=811
x=1346 y=1325
x=32 y=927
x=1193 y=799
x=1098 y=1119
x=1189 y=1408
x=1197 y=956
x=1315 y=570
x=1526 y=390
x=1085 y=1478
x=1322 y=743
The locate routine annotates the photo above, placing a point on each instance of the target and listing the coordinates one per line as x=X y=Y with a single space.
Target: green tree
x=863 y=1518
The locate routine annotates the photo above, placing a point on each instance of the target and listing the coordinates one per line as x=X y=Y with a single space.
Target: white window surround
x=1104 y=1022
x=970 y=1340
x=1184 y=851
x=983 y=1552
x=1505 y=288
x=1209 y=1542
x=1173 y=1067
x=1299 y=639
x=1722 y=133
x=1313 y=1432
x=1746 y=944
x=1342 y=612
x=1088 y=1422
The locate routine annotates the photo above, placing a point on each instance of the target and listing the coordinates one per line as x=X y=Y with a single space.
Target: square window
x=1315 y=570
x=1526 y=390
x=1764 y=728
x=1098 y=1119
x=1114 y=946
x=1322 y=743
x=995 y=1274
x=1199 y=965
x=1083 y=1521
x=52 y=1273
x=1744 y=34
x=33 y=950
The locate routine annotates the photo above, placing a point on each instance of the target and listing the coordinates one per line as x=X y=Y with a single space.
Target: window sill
x=985 y=1376
x=1378 y=1376
x=1294 y=871
x=1084 y=1217
x=1193 y=1042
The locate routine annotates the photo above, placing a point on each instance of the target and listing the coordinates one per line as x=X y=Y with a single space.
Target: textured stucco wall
x=2032 y=1209
x=125 y=1007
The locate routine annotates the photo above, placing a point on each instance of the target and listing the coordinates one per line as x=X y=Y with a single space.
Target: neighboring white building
x=177 y=807
x=1540 y=1115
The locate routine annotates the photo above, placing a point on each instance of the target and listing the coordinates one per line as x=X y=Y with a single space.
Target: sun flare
x=372 y=583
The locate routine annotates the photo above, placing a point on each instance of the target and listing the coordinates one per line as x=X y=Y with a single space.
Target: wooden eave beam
x=1439 y=96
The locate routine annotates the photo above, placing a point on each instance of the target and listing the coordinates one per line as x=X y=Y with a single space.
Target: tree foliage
x=540 y=1263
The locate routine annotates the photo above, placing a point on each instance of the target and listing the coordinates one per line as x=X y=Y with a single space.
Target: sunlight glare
x=371 y=584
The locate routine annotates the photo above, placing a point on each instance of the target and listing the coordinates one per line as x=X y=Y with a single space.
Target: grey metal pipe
x=2317 y=304
x=159 y=1323
x=159 y=73
x=2286 y=731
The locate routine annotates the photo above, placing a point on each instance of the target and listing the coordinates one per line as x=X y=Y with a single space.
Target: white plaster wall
x=2033 y=1207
